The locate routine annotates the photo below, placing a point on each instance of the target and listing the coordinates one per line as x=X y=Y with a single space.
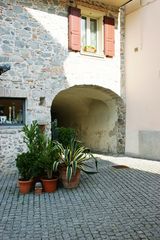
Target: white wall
x=104 y=72
x=143 y=80
x=96 y=70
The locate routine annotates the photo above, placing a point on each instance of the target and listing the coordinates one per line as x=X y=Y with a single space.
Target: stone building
x=67 y=63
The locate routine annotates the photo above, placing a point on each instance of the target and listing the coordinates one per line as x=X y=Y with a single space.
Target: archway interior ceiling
x=92 y=111
x=82 y=96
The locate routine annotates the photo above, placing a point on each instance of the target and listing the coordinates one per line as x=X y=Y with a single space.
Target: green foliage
x=64 y=135
x=35 y=141
x=33 y=138
x=74 y=157
x=41 y=154
x=48 y=157
x=44 y=156
x=41 y=149
x=24 y=163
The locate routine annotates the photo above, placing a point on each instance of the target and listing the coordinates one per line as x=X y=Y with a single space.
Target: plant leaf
x=55 y=166
x=69 y=173
x=74 y=167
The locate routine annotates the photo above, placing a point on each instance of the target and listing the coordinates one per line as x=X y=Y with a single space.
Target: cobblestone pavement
x=115 y=204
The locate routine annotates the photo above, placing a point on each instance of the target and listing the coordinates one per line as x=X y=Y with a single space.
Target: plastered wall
x=143 y=80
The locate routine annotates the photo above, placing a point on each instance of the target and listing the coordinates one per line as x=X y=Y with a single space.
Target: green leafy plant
x=35 y=141
x=73 y=157
x=63 y=135
x=48 y=157
x=24 y=163
x=43 y=150
x=33 y=137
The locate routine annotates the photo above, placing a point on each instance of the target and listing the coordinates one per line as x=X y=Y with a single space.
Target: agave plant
x=74 y=157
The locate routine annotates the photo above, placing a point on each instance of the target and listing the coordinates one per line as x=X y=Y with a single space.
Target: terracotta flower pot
x=73 y=183
x=25 y=186
x=50 y=185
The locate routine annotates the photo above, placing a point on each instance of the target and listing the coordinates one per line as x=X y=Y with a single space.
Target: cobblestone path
x=115 y=204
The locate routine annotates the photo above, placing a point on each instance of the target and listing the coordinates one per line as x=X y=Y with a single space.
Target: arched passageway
x=96 y=113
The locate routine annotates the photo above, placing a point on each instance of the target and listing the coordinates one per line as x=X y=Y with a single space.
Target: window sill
x=18 y=126
x=96 y=55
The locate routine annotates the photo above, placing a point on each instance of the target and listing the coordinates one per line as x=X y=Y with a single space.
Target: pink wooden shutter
x=74 y=34
x=109 y=38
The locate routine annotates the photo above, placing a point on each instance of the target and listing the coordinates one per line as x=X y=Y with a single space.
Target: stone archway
x=96 y=113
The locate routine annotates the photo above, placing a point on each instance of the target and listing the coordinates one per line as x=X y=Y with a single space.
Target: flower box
x=91 y=49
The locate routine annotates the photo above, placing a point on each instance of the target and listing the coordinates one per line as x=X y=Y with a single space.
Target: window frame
x=88 y=30
x=23 y=111
x=98 y=16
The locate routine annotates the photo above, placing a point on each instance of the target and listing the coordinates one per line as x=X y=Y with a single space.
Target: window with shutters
x=91 y=35
x=91 y=32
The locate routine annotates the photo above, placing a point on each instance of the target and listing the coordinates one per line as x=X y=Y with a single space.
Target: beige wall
x=143 y=80
x=93 y=112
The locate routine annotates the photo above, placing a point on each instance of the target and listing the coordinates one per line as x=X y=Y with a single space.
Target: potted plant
x=24 y=162
x=43 y=153
x=49 y=156
x=72 y=159
x=35 y=141
x=89 y=48
x=27 y=162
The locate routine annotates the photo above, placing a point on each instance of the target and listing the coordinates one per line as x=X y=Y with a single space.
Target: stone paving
x=115 y=204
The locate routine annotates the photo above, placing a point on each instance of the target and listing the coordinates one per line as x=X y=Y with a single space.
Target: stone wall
x=34 y=40
x=122 y=55
x=35 y=53
x=36 y=49
x=11 y=143
x=121 y=124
